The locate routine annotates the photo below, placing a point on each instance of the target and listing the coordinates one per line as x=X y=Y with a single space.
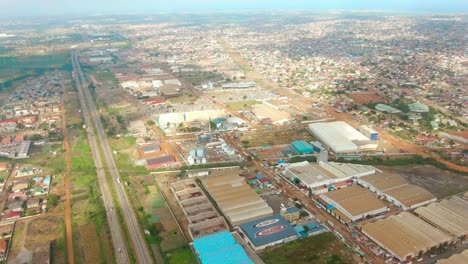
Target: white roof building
x=341 y=137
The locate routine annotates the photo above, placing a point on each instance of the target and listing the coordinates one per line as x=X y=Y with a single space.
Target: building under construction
x=202 y=216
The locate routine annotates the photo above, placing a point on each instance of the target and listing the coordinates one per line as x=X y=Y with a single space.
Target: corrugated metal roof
x=220 y=248
x=267 y=230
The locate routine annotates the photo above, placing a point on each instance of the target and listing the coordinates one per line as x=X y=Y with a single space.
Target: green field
x=15 y=67
x=322 y=249
x=182 y=256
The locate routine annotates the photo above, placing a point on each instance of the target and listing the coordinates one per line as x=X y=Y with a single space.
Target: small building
x=418 y=107
x=3 y=248
x=268 y=231
x=160 y=162
x=220 y=248
x=16 y=206
x=12 y=215
x=291 y=214
x=302 y=147
x=198 y=172
x=387 y=109
x=32 y=202
x=4 y=166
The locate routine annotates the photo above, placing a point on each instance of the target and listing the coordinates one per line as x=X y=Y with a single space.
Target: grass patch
x=181 y=256
x=324 y=248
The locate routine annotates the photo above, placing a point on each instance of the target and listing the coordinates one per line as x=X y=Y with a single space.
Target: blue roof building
x=302 y=147
x=268 y=231
x=220 y=248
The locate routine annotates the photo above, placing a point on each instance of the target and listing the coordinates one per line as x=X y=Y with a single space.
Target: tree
x=150 y=122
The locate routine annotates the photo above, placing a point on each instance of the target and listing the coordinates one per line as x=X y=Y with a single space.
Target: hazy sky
x=57 y=7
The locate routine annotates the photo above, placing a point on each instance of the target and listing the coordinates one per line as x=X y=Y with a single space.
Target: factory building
x=238 y=202
x=318 y=176
x=353 y=203
x=341 y=137
x=220 y=248
x=192 y=116
x=163 y=161
x=302 y=147
x=267 y=232
x=405 y=235
x=450 y=215
x=397 y=190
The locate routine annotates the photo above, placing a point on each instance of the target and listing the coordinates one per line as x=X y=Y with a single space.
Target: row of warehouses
x=407 y=235
x=203 y=218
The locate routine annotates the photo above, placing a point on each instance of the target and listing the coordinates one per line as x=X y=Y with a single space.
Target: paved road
x=135 y=233
x=114 y=225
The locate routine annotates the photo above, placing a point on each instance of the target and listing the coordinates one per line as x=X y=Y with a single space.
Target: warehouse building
x=203 y=218
x=353 y=203
x=238 y=202
x=163 y=161
x=397 y=190
x=461 y=258
x=302 y=147
x=318 y=176
x=220 y=248
x=405 y=235
x=267 y=232
x=450 y=215
x=341 y=137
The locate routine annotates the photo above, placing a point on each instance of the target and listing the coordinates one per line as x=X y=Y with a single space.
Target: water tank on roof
x=190 y=160
x=200 y=152
x=193 y=152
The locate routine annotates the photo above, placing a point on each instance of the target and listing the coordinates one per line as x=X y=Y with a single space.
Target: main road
x=92 y=120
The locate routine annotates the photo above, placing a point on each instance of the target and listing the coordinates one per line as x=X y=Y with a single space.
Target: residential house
x=16 y=196
x=4 y=166
x=32 y=202
x=16 y=206
x=12 y=215
x=20 y=186
x=3 y=248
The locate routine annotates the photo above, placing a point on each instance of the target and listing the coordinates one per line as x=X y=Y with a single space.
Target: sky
x=63 y=7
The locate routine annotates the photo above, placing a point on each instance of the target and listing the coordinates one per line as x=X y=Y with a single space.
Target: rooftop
x=398 y=188
x=405 y=234
x=267 y=230
x=220 y=248
x=450 y=215
x=355 y=200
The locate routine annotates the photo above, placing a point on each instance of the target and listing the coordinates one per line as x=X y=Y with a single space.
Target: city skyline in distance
x=87 y=7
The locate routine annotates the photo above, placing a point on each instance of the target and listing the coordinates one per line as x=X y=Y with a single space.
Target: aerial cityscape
x=248 y=132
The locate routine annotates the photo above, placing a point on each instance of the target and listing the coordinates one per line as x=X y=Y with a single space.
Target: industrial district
x=234 y=138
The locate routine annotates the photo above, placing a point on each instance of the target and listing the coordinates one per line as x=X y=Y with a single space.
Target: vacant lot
x=12 y=67
x=439 y=182
x=324 y=248
x=274 y=138
x=31 y=235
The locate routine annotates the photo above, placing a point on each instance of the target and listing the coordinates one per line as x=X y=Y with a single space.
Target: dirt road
x=68 y=224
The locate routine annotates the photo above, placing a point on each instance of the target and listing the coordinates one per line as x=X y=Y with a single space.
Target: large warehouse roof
x=310 y=174
x=461 y=258
x=324 y=173
x=355 y=202
x=236 y=199
x=340 y=137
x=405 y=235
x=267 y=230
x=220 y=248
x=398 y=189
x=450 y=215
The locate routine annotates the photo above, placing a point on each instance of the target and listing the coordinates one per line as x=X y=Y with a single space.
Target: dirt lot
x=320 y=249
x=31 y=235
x=440 y=183
x=365 y=98
x=275 y=138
